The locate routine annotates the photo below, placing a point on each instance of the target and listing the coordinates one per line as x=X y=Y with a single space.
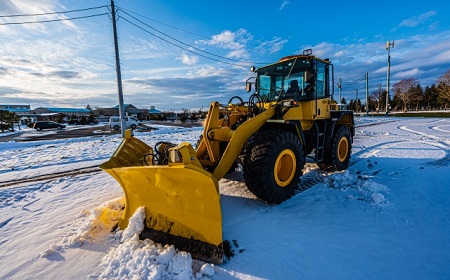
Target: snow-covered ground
x=386 y=217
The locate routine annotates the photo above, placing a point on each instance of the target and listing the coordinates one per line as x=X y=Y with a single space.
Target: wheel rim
x=285 y=167
x=342 y=151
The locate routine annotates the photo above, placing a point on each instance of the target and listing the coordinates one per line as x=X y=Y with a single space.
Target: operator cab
x=298 y=77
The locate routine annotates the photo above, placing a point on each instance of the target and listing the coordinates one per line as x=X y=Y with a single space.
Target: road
x=26 y=135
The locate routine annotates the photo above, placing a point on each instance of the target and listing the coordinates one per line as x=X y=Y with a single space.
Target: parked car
x=46 y=125
x=114 y=122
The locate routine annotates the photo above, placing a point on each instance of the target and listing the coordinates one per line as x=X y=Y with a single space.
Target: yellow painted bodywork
x=216 y=131
x=180 y=199
x=307 y=112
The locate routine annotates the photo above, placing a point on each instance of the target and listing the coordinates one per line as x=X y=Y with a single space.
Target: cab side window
x=320 y=82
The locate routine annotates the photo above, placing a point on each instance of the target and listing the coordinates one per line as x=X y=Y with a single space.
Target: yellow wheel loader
x=290 y=116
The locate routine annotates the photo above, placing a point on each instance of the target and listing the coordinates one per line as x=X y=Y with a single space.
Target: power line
x=183 y=48
x=54 y=13
x=353 y=82
x=188 y=45
x=165 y=24
x=52 y=20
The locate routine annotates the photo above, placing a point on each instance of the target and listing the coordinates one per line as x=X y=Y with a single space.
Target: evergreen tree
x=443 y=88
x=83 y=120
x=7 y=120
x=430 y=98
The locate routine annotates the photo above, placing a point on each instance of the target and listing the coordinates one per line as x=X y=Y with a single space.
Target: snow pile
x=145 y=259
x=135 y=225
x=95 y=225
x=359 y=187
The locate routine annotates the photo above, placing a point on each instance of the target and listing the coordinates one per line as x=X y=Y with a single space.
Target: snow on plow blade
x=182 y=200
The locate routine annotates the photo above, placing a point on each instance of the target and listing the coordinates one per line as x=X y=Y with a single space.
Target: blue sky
x=71 y=63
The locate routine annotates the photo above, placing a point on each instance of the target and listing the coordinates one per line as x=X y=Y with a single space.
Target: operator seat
x=293 y=91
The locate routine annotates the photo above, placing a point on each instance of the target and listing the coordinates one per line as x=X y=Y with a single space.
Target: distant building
x=45 y=113
x=130 y=110
x=18 y=109
x=79 y=112
x=153 y=110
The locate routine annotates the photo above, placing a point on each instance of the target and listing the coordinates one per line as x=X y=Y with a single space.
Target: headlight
x=286 y=103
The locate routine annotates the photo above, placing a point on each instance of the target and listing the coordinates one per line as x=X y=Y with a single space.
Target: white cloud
x=235 y=42
x=407 y=74
x=13 y=7
x=285 y=2
x=188 y=60
x=272 y=46
x=416 y=20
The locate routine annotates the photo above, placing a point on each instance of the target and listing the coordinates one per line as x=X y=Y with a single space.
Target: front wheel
x=116 y=127
x=133 y=126
x=337 y=157
x=273 y=165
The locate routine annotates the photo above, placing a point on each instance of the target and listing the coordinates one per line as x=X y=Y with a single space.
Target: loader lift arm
x=181 y=198
x=270 y=137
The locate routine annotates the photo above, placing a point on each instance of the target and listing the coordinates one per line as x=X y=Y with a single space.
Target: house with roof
x=45 y=113
x=53 y=114
x=129 y=109
x=18 y=109
x=79 y=112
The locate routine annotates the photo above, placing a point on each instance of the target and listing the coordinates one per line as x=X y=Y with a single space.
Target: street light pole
x=388 y=48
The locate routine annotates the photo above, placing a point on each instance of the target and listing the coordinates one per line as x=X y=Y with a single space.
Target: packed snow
x=386 y=217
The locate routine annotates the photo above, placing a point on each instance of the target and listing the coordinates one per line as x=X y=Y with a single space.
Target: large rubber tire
x=273 y=165
x=116 y=127
x=133 y=126
x=337 y=157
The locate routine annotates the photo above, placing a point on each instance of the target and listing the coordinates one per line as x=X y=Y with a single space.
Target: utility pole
x=379 y=96
x=356 y=101
x=119 y=75
x=388 y=48
x=367 y=93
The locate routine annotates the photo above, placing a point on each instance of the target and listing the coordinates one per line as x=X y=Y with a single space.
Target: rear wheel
x=273 y=165
x=133 y=126
x=337 y=157
x=116 y=127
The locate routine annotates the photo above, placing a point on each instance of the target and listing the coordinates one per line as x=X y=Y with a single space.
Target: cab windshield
x=274 y=80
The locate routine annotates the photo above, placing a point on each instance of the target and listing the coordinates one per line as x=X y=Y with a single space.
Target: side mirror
x=248 y=86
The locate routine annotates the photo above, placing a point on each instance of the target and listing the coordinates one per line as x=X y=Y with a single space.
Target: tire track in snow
x=74 y=172
x=370 y=151
x=435 y=141
x=5 y=222
x=373 y=124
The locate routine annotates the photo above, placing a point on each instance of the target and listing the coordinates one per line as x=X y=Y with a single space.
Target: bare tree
x=443 y=86
x=404 y=91
x=375 y=99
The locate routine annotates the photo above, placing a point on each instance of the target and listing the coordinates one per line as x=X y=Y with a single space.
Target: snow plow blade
x=181 y=199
